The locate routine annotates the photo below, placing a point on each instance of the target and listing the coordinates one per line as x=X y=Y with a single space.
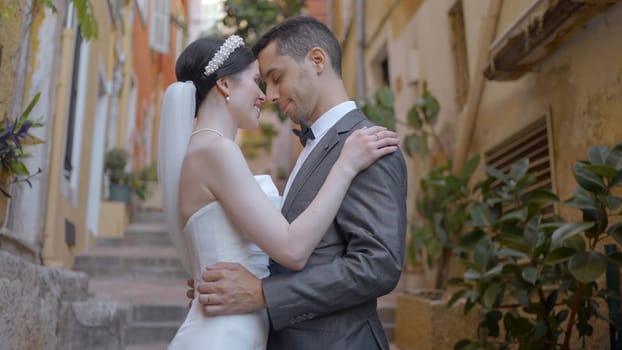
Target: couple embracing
x=298 y=272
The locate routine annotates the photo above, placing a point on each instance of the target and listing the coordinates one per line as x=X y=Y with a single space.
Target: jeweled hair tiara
x=232 y=43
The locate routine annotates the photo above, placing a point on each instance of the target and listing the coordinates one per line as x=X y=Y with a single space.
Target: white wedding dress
x=210 y=238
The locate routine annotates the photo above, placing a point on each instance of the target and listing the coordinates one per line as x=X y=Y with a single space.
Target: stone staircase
x=142 y=271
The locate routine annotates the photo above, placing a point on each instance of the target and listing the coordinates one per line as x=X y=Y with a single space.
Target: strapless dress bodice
x=209 y=238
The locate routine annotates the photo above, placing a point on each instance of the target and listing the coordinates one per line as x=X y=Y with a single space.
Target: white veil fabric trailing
x=176 y=123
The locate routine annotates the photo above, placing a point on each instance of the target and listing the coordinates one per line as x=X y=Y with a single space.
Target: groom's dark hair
x=296 y=36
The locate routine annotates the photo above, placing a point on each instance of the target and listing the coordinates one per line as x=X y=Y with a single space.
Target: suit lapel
x=327 y=144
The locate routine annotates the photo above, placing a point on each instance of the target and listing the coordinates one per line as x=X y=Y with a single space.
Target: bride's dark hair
x=191 y=64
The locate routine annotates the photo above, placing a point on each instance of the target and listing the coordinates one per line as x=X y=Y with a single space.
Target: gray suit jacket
x=331 y=303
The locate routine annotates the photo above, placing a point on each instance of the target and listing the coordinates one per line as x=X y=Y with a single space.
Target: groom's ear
x=319 y=59
x=222 y=85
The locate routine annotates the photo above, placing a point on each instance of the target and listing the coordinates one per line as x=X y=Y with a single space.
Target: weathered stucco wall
x=580 y=86
x=10 y=34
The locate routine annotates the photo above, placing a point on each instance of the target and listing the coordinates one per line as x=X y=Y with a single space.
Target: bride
x=215 y=208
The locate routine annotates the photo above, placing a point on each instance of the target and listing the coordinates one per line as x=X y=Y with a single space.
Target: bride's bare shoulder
x=212 y=152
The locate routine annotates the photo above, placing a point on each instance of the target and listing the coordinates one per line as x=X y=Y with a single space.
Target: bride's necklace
x=207 y=129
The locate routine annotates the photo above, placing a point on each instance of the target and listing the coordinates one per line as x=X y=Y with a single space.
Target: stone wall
x=47 y=308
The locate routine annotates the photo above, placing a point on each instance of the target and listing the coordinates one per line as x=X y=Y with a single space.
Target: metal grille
x=533 y=142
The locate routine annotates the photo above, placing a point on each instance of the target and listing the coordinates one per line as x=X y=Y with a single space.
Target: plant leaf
x=469 y=240
x=586 y=267
x=598 y=154
x=615 y=157
x=507 y=252
x=481 y=215
x=498 y=174
x=519 y=169
x=587 y=178
x=414 y=119
x=559 y=255
x=30 y=106
x=455 y=297
x=602 y=170
x=490 y=295
x=530 y=275
x=582 y=199
x=542 y=196
x=469 y=168
x=568 y=230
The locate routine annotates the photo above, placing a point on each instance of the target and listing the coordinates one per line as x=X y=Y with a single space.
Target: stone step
x=131 y=262
x=147 y=216
x=140 y=234
x=150 y=332
x=159 y=313
x=150 y=346
x=386 y=313
x=387 y=317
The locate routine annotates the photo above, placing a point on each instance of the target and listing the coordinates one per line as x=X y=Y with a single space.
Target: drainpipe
x=360 y=51
x=468 y=115
x=329 y=14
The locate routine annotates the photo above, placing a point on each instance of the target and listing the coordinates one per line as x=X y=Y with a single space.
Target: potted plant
x=535 y=276
x=115 y=162
x=443 y=204
x=14 y=135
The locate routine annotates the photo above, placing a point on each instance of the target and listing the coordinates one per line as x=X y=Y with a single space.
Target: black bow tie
x=305 y=133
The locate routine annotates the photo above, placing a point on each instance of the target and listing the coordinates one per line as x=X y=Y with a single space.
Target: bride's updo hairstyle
x=191 y=65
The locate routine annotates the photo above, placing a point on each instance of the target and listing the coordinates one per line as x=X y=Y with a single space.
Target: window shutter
x=532 y=143
x=159 y=28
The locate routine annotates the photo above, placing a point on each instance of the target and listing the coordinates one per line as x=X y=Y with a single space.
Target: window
x=159 y=28
x=141 y=5
x=384 y=66
x=459 y=48
x=533 y=143
x=76 y=97
x=71 y=118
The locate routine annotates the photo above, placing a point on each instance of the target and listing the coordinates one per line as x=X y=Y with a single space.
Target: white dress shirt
x=320 y=127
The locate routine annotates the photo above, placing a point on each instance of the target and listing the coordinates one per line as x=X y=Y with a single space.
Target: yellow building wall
x=10 y=34
x=60 y=208
x=579 y=85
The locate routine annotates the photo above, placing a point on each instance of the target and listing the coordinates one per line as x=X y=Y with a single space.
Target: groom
x=331 y=303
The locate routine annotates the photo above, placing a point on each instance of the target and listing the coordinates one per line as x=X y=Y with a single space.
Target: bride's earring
x=227 y=98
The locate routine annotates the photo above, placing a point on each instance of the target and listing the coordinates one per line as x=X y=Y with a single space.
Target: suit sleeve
x=372 y=222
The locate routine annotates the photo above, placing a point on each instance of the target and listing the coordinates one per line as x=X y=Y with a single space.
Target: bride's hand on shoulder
x=364 y=146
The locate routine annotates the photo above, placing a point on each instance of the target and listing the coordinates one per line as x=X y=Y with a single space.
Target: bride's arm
x=225 y=173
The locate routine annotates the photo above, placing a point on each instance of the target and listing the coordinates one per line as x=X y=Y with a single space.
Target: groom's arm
x=372 y=221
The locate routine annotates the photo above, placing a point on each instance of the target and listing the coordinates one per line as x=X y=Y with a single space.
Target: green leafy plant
x=84 y=13
x=534 y=275
x=139 y=180
x=14 y=135
x=254 y=142
x=380 y=110
x=251 y=18
x=422 y=118
x=115 y=162
x=444 y=199
x=443 y=203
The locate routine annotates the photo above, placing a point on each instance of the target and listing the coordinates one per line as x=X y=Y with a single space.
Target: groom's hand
x=190 y=291
x=228 y=288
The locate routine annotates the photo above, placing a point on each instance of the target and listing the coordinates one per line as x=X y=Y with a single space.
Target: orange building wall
x=154 y=72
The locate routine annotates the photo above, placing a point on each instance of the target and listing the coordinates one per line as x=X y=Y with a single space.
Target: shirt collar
x=331 y=117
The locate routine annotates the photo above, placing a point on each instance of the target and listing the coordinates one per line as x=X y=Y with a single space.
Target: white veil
x=176 y=122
